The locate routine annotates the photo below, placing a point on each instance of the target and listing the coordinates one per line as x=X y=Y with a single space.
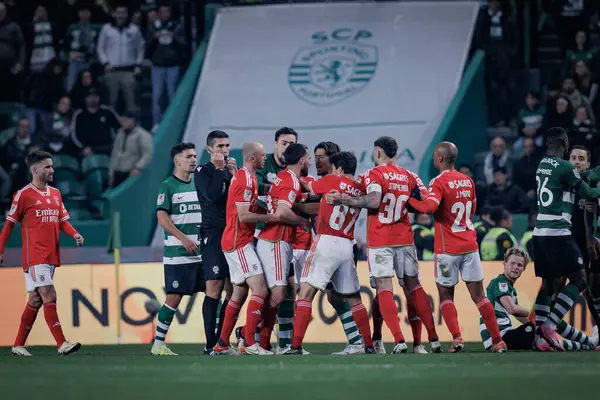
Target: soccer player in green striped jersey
x=503 y=296
x=556 y=253
x=178 y=212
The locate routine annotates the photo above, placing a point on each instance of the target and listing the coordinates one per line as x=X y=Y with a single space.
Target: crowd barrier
x=87 y=304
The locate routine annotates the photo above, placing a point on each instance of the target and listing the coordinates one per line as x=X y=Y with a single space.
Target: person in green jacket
x=423 y=233
x=499 y=238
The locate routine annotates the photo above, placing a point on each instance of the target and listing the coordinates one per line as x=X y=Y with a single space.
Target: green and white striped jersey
x=499 y=287
x=556 y=179
x=180 y=201
x=593 y=177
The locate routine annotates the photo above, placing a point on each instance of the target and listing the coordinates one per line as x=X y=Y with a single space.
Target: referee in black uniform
x=212 y=185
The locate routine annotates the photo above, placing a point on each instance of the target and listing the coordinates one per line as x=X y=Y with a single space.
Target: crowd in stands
x=71 y=74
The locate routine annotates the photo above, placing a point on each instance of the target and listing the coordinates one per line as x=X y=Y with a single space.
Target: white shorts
x=298 y=263
x=447 y=267
x=243 y=264
x=276 y=258
x=39 y=275
x=385 y=261
x=373 y=283
x=331 y=259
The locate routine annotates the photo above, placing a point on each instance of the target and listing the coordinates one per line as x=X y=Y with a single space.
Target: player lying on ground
x=452 y=201
x=390 y=241
x=556 y=253
x=40 y=210
x=178 y=213
x=502 y=294
x=245 y=268
x=331 y=258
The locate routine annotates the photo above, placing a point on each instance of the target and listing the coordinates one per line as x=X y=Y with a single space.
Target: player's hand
x=218 y=160
x=231 y=165
x=78 y=239
x=592 y=249
x=190 y=245
x=333 y=197
x=306 y=225
x=591 y=207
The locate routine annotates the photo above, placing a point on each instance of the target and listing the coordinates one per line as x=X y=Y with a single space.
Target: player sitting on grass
x=502 y=294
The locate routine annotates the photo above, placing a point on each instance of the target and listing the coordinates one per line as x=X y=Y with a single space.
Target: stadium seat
x=100 y=209
x=80 y=214
x=93 y=162
x=66 y=168
x=95 y=174
x=73 y=194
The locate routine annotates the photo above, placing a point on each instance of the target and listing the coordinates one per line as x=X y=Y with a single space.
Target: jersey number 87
x=338 y=217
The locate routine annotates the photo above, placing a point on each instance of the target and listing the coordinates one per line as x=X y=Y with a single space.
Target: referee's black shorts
x=213 y=259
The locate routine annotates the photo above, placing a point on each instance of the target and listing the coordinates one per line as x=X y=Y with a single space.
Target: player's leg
x=34 y=303
x=408 y=269
x=377 y=321
x=215 y=272
x=254 y=313
x=594 y=290
x=573 y=334
x=471 y=271
x=285 y=312
x=446 y=278
x=43 y=281
x=343 y=310
x=228 y=290
x=416 y=325
x=381 y=261
x=520 y=338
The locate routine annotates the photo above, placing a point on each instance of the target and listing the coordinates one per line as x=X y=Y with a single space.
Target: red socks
x=27 y=320
x=361 y=319
x=302 y=317
x=377 y=319
x=51 y=317
x=267 y=326
x=489 y=319
x=413 y=318
x=450 y=317
x=423 y=309
x=253 y=316
x=231 y=315
x=389 y=311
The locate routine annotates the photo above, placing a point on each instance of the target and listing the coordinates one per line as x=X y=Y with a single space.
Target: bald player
x=237 y=243
x=452 y=201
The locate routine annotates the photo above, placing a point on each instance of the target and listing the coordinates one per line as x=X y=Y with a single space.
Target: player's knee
x=548 y=287
x=579 y=280
x=278 y=294
x=214 y=288
x=35 y=300
x=173 y=300
x=476 y=291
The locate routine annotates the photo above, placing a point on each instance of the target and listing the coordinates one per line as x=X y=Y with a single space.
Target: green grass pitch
x=129 y=372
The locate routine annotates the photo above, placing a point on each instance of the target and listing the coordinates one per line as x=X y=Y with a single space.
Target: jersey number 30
x=463 y=221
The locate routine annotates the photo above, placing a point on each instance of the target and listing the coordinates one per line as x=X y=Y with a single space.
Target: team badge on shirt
x=13 y=208
x=503 y=287
x=292 y=197
x=247 y=194
x=342 y=185
x=56 y=200
x=161 y=199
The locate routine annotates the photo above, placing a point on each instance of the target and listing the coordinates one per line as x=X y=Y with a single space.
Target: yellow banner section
x=87 y=306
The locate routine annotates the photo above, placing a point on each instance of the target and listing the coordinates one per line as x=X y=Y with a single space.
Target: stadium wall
x=87 y=306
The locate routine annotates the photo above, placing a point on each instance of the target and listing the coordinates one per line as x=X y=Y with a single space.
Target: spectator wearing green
x=423 y=233
x=530 y=119
x=582 y=51
x=499 y=238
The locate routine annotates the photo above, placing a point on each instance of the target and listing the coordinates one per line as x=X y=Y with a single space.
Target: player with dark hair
x=178 y=213
x=274 y=245
x=452 y=200
x=212 y=182
x=335 y=230
x=556 y=253
x=40 y=210
x=323 y=151
x=390 y=239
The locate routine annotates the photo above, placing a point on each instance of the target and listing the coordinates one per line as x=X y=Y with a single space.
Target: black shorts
x=520 y=338
x=185 y=279
x=594 y=266
x=213 y=259
x=556 y=256
x=355 y=251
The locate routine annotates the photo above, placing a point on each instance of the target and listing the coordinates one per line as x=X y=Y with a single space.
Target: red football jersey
x=389 y=225
x=40 y=213
x=285 y=189
x=243 y=191
x=336 y=220
x=455 y=194
x=303 y=239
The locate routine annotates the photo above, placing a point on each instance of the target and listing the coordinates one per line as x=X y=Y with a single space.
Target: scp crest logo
x=335 y=68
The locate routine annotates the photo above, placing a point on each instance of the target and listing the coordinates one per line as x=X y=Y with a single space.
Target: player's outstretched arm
x=369 y=200
x=512 y=308
x=167 y=224
x=285 y=214
x=428 y=206
x=585 y=191
x=248 y=217
x=310 y=209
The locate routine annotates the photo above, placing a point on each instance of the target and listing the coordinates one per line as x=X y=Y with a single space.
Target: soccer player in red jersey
x=331 y=257
x=237 y=244
x=390 y=242
x=452 y=201
x=303 y=241
x=42 y=214
x=274 y=245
